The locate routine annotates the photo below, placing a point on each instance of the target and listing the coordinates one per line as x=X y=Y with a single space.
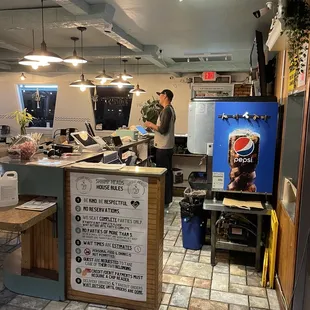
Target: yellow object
x=292 y=80
x=272 y=247
x=265 y=269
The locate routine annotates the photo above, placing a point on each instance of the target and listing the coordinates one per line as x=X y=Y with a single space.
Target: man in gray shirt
x=164 y=140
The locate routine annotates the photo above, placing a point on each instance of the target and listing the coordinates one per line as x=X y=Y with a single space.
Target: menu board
x=109 y=216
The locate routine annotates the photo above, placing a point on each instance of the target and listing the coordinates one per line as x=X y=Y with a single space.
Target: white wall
x=73 y=107
x=154 y=83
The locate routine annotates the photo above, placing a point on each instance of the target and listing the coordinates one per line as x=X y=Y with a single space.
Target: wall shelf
x=188 y=155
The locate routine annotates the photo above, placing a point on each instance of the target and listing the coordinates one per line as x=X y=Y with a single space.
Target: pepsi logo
x=244 y=146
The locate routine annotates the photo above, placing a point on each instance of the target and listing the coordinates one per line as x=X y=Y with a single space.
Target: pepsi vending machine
x=245 y=133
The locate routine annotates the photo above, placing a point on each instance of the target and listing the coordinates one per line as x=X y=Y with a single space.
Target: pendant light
x=43 y=55
x=119 y=82
x=137 y=90
x=23 y=77
x=103 y=77
x=33 y=63
x=82 y=83
x=75 y=59
x=125 y=76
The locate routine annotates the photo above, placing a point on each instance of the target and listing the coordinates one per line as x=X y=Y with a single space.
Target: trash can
x=193 y=225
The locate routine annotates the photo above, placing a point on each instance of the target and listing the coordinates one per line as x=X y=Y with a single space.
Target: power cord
x=299 y=271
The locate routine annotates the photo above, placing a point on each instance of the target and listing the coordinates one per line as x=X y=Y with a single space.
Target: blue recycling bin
x=193 y=226
x=192 y=233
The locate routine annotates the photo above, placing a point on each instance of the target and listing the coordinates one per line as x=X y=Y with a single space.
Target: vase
x=23 y=131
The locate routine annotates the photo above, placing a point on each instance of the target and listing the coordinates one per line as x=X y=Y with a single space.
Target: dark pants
x=164 y=160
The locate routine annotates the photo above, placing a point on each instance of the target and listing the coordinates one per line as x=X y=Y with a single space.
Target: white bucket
x=8 y=189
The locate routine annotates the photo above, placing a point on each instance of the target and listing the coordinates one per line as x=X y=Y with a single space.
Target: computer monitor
x=89 y=129
x=84 y=139
x=108 y=140
x=142 y=130
x=117 y=141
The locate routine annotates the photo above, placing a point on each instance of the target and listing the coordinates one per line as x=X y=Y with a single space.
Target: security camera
x=108 y=28
x=263 y=11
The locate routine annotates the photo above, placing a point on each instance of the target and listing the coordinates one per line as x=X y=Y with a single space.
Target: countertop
x=211 y=205
x=127 y=170
x=133 y=143
x=43 y=160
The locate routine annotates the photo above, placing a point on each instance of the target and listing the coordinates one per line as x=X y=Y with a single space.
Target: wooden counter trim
x=128 y=170
x=154 y=251
x=20 y=220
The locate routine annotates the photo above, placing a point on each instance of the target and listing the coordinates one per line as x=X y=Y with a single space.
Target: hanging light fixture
x=23 y=77
x=75 y=59
x=137 y=90
x=119 y=82
x=82 y=83
x=125 y=76
x=33 y=63
x=103 y=77
x=43 y=55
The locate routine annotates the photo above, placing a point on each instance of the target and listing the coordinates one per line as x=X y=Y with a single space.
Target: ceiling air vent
x=183 y=60
x=218 y=58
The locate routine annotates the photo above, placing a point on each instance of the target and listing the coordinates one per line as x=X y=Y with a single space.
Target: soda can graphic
x=243 y=156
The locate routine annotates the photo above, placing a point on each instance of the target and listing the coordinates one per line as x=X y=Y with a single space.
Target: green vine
x=297 y=24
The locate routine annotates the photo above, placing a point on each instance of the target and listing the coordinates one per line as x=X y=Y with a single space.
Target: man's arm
x=165 y=122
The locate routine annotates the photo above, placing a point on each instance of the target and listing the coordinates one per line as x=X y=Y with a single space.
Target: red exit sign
x=209 y=76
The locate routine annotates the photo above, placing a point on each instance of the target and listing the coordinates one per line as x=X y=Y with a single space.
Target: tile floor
x=190 y=282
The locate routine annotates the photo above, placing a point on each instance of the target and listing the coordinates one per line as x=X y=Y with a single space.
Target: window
x=112 y=107
x=40 y=101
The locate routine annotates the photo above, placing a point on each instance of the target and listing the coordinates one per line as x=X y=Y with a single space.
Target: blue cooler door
x=244 y=146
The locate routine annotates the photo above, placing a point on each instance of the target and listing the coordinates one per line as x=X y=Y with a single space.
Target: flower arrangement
x=23 y=118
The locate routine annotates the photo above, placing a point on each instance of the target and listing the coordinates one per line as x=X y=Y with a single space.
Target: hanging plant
x=95 y=98
x=297 y=24
x=150 y=110
x=37 y=97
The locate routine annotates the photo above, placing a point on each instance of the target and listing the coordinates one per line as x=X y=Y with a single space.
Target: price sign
x=209 y=76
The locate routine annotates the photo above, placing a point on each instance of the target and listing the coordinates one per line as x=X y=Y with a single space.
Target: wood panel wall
x=286 y=246
x=288 y=229
x=286 y=252
x=39 y=250
x=154 y=253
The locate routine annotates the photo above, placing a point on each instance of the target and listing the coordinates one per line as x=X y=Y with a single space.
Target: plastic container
x=198 y=180
x=8 y=189
x=192 y=233
x=24 y=147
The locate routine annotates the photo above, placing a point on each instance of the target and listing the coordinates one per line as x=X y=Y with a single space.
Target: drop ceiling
x=179 y=29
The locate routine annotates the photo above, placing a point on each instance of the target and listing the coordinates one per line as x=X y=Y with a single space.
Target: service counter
x=102 y=243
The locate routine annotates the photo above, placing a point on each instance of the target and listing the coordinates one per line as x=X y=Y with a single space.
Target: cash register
x=95 y=144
